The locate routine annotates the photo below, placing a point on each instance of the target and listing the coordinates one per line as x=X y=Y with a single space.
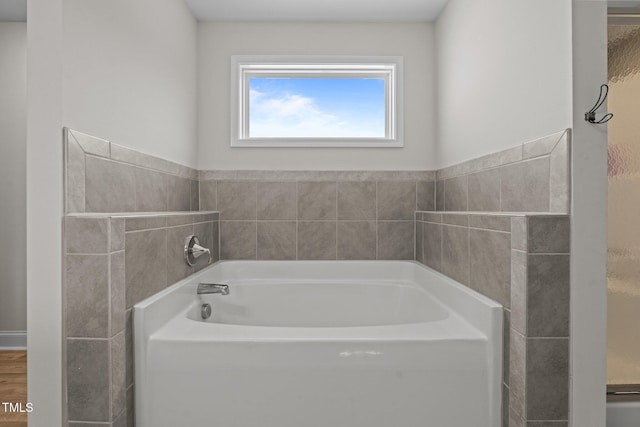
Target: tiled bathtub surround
x=521 y=261
x=532 y=177
x=112 y=262
x=101 y=176
x=316 y=215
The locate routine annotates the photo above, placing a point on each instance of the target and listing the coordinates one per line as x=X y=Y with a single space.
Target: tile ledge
x=550 y=214
x=135 y=214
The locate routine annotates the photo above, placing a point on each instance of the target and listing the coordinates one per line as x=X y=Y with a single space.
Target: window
x=317 y=101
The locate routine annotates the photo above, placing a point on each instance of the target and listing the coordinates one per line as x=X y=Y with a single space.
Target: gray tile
x=175 y=220
x=145 y=262
x=505 y=406
x=205 y=217
x=87 y=295
x=237 y=200
x=131 y=414
x=519 y=233
x=118 y=292
x=455 y=194
x=87 y=235
x=117 y=227
x=216 y=241
x=491 y=222
x=109 y=186
x=490 y=264
x=209 y=195
x=396 y=240
x=88 y=380
x=317 y=201
x=194 y=200
x=519 y=291
x=506 y=341
x=541 y=146
x=525 y=186
x=396 y=200
x=560 y=176
x=91 y=144
x=433 y=217
x=549 y=234
x=547 y=379
x=484 y=191
x=515 y=420
x=517 y=372
x=121 y=420
x=547 y=424
x=85 y=424
x=151 y=191
x=277 y=240
x=433 y=245
x=118 y=374
x=126 y=155
x=419 y=242
x=277 y=201
x=177 y=268
x=128 y=343
x=75 y=177
x=356 y=240
x=548 y=296
x=357 y=200
x=439 y=196
x=426 y=195
x=178 y=193
x=206 y=234
x=238 y=239
x=145 y=222
x=317 y=240
x=455 y=253
x=455 y=219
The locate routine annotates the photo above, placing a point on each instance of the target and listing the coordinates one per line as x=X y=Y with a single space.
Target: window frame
x=244 y=67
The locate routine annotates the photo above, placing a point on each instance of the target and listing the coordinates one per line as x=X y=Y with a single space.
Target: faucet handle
x=193 y=250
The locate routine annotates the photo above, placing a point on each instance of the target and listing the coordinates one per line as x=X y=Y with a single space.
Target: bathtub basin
x=316 y=344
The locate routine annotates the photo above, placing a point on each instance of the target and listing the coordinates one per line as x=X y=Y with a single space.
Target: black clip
x=590 y=116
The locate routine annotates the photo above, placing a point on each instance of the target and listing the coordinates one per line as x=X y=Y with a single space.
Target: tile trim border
x=291 y=175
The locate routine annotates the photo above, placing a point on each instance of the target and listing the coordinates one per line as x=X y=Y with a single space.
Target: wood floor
x=13 y=386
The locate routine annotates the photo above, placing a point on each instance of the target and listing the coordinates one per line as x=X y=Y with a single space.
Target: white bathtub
x=319 y=344
x=623 y=414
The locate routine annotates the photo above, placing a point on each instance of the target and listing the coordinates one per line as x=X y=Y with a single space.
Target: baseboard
x=13 y=340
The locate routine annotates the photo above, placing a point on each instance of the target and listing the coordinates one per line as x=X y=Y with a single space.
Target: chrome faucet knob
x=193 y=250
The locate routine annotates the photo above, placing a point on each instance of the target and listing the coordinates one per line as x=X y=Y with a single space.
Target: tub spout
x=213 y=288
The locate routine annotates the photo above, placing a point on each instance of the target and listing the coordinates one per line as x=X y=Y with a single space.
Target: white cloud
x=294 y=115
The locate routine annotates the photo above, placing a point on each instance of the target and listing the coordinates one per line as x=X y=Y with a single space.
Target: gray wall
x=13 y=137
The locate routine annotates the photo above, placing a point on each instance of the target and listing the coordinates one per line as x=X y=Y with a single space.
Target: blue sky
x=316 y=107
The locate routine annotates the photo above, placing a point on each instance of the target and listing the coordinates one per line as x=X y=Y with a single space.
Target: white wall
x=589 y=220
x=504 y=74
x=44 y=212
x=130 y=74
x=218 y=41
x=13 y=191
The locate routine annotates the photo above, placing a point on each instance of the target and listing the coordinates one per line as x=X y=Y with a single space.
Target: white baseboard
x=13 y=340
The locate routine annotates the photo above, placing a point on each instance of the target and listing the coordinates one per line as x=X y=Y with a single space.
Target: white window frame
x=243 y=67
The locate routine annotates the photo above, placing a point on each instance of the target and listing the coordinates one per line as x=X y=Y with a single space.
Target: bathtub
x=623 y=414
x=319 y=344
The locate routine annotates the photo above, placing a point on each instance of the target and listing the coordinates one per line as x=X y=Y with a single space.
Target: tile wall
x=319 y=215
x=101 y=176
x=113 y=262
x=532 y=177
x=522 y=262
